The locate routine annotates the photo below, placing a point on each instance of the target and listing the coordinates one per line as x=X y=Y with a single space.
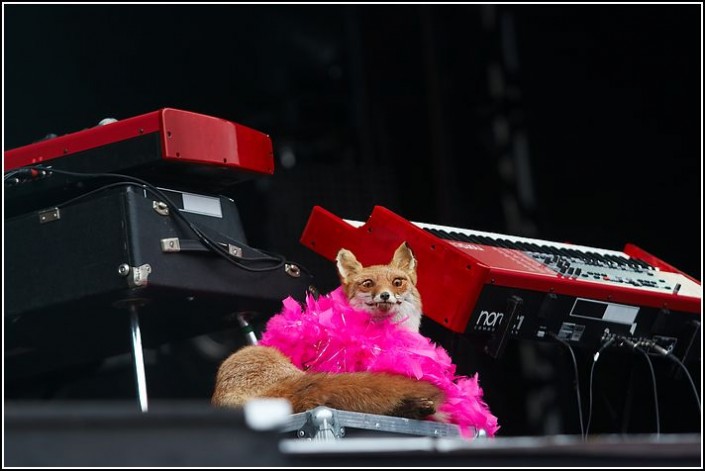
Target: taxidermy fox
x=384 y=291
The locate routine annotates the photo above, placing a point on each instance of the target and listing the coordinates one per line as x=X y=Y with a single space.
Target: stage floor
x=174 y=434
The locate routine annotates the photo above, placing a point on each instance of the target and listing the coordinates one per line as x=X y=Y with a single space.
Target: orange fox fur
x=383 y=291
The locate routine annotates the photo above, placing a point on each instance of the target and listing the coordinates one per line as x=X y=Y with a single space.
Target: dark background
x=577 y=123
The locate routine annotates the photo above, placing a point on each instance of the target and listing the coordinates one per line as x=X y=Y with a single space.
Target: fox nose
x=384 y=296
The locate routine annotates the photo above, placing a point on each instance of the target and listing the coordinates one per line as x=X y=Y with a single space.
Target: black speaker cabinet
x=72 y=273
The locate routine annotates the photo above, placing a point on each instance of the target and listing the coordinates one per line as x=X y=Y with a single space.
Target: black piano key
x=551 y=249
x=456 y=236
x=535 y=248
x=501 y=243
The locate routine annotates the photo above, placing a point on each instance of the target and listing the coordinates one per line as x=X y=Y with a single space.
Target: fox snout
x=383 y=302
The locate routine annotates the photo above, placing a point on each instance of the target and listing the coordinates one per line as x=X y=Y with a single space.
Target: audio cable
x=577 y=381
x=636 y=347
x=595 y=357
x=668 y=354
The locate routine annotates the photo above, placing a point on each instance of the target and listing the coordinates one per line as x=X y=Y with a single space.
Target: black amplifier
x=74 y=271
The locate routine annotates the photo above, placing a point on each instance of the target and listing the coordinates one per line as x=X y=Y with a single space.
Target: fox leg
x=415 y=408
x=371 y=393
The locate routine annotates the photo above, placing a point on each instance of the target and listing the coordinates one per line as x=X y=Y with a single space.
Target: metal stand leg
x=247 y=328
x=138 y=358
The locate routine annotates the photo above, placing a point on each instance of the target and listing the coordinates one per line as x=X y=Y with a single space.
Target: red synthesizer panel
x=183 y=137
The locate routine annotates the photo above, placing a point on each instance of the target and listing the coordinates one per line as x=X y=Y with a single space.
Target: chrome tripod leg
x=138 y=357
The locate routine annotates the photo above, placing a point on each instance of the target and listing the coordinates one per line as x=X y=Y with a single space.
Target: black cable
x=636 y=347
x=24 y=172
x=278 y=260
x=96 y=191
x=672 y=357
x=577 y=381
x=667 y=353
x=592 y=370
x=9 y=174
x=653 y=381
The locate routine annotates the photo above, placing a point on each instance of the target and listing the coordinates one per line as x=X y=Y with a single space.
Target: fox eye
x=398 y=282
x=367 y=284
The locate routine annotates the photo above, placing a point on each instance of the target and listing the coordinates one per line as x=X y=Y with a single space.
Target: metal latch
x=136 y=276
x=49 y=215
x=160 y=207
x=292 y=270
x=234 y=250
x=321 y=424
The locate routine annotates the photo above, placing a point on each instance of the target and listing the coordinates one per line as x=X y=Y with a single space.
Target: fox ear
x=404 y=260
x=347 y=264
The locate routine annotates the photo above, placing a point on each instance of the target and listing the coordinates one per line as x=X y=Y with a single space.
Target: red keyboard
x=168 y=147
x=503 y=286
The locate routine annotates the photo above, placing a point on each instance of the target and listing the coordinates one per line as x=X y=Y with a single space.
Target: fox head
x=385 y=291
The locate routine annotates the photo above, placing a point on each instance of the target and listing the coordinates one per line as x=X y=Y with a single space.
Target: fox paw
x=415 y=408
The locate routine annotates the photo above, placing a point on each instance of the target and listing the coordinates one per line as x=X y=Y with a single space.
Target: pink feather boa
x=331 y=336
